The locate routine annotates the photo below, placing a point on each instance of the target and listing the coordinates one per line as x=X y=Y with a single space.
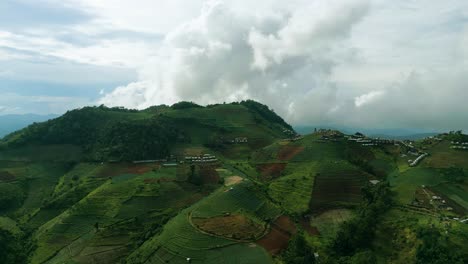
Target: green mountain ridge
x=103 y=134
x=226 y=183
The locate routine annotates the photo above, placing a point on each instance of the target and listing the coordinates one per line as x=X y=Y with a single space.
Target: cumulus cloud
x=283 y=59
x=359 y=63
x=367 y=98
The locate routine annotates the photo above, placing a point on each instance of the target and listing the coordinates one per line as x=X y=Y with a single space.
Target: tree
x=11 y=196
x=11 y=249
x=298 y=251
x=436 y=249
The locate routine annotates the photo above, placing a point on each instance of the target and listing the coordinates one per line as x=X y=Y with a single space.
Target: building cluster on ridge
x=459 y=145
x=206 y=158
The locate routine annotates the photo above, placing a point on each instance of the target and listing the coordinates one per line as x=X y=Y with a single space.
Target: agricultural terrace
x=121 y=198
x=214 y=226
x=337 y=183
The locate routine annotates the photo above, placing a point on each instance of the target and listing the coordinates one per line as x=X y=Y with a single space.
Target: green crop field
x=457 y=192
x=407 y=182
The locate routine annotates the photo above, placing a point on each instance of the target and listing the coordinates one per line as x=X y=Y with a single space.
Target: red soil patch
x=6 y=176
x=269 y=171
x=142 y=168
x=113 y=170
x=154 y=181
x=278 y=237
x=209 y=174
x=289 y=152
x=311 y=230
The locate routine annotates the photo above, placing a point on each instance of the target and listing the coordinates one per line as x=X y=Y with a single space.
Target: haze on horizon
x=356 y=63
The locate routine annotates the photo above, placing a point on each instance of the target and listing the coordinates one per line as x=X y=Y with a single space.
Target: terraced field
x=238 y=227
x=456 y=192
x=335 y=187
x=293 y=192
x=231 y=200
x=126 y=201
x=406 y=183
x=213 y=227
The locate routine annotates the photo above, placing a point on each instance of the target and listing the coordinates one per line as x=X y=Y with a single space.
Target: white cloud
x=311 y=31
x=368 y=98
x=372 y=63
x=115 y=53
x=216 y=57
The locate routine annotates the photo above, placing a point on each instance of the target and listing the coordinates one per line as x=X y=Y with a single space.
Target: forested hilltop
x=119 y=134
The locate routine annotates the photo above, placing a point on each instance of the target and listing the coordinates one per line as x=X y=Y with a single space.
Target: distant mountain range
x=11 y=123
x=400 y=134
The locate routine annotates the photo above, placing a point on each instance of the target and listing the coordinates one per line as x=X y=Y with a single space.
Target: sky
x=354 y=63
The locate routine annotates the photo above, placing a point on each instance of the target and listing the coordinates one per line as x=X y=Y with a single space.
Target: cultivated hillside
x=228 y=183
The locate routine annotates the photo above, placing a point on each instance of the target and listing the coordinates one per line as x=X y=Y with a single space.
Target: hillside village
x=328 y=135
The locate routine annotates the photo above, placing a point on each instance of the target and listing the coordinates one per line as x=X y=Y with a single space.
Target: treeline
x=15 y=248
x=122 y=134
x=103 y=133
x=265 y=112
x=437 y=249
x=11 y=196
x=352 y=243
x=135 y=140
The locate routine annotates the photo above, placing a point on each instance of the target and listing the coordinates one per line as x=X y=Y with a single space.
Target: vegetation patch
x=233 y=180
x=334 y=188
x=5 y=176
x=270 y=171
x=328 y=222
x=454 y=193
x=236 y=226
x=288 y=152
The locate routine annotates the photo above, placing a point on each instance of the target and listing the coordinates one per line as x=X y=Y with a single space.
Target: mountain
x=226 y=183
x=118 y=134
x=11 y=123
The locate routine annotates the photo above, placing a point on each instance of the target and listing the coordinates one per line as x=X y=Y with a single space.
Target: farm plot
x=180 y=240
x=270 y=171
x=6 y=176
x=278 y=237
x=110 y=170
x=232 y=180
x=238 y=227
x=42 y=178
x=316 y=151
x=100 y=206
x=406 y=183
x=335 y=188
x=229 y=200
x=241 y=253
x=293 y=191
x=289 y=151
x=328 y=222
x=455 y=192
